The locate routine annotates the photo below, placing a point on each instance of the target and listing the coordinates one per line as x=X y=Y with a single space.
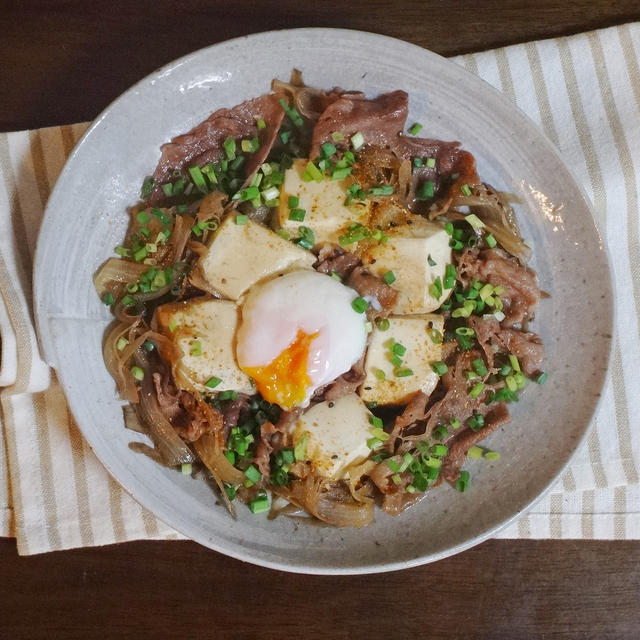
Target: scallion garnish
x=490 y=240
x=440 y=368
x=108 y=298
x=241 y=219
x=382 y=324
x=431 y=163
x=212 y=382
x=357 y=140
x=137 y=373
x=462 y=483
x=415 y=129
x=297 y=215
x=426 y=190
x=359 y=305
x=260 y=503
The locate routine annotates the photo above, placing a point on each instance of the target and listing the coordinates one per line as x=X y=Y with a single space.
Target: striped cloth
x=583 y=91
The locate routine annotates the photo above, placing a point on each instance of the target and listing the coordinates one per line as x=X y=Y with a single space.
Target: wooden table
x=63 y=62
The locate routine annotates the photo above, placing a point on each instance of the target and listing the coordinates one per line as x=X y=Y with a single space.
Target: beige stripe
x=150 y=524
x=524 y=527
x=46 y=470
x=595 y=457
x=542 y=93
x=78 y=449
x=19 y=230
x=555 y=517
x=620 y=510
x=588 y=506
x=504 y=71
x=582 y=128
x=14 y=479
x=633 y=244
x=631 y=60
x=20 y=328
x=622 y=418
x=470 y=63
x=39 y=167
x=599 y=201
x=67 y=139
x=568 y=481
x=115 y=507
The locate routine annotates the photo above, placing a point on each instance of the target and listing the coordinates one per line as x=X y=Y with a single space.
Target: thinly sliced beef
x=264 y=448
x=382 y=296
x=521 y=294
x=527 y=347
x=460 y=445
x=204 y=143
x=347 y=383
x=190 y=416
x=450 y=161
x=413 y=412
x=232 y=411
x=201 y=418
x=334 y=259
x=380 y=120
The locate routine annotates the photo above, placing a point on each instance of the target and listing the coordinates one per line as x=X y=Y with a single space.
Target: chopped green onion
x=431 y=261
x=403 y=373
x=440 y=432
x=490 y=240
x=477 y=389
x=395 y=360
x=123 y=251
x=475 y=453
x=448 y=227
x=410 y=488
x=147 y=187
x=376 y=422
x=167 y=188
x=436 y=336
x=198 y=179
x=341 y=174
x=436 y=288
x=439 y=450
x=270 y=194
x=228 y=395
x=196 y=348
x=328 y=149
x=415 y=129
x=393 y=465
x=247 y=194
x=252 y=474
x=300 y=449
x=382 y=190
x=389 y=277
x=417 y=162
x=212 y=382
x=359 y=305
x=374 y=443
x=292 y=113
x=431 y=163
x=250 y=146
x=398 y=349
x=241 y=219
x=426 y=190
x=542 y=377
x=440 y=368
x=108 y=298
x=462 y=483
x=492 y=455
x=449 y=277
x=143 y=217
x=140 y=254
x=260 y=503
x=230 y=148
x=284 y=136
x=312 y=172
x=297 y=214
x=336 y=136
x=479 y=367
x=514 y=362
x=475 y=422
x=465 y=189
x=137 y=373
x=357 y=140
x=294 y=201
x=306 y=239
x=383 y=324
x=121 y=344
x=455 y=423
x=261 y=124
x=473 y=220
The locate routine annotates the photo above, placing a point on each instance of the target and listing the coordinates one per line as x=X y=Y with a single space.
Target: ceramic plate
x=86 y=218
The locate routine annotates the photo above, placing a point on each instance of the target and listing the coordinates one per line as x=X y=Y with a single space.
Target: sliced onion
x=116 y=271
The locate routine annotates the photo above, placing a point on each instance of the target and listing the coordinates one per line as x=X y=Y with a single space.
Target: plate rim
x=47 y=348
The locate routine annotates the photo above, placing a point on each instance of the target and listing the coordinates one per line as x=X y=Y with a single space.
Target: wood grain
x=63 y=62
x=525 y=589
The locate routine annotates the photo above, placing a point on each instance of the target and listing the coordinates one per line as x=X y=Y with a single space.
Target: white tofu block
x=239 y=256
x=212 y=324
x=338 y=433
x=407 y=253
x=323 y=203
x=411 y=332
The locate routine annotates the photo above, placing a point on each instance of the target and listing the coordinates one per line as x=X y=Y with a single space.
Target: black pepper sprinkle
x=331 y=405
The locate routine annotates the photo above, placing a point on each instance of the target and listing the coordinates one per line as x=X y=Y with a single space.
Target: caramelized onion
x=115 y=273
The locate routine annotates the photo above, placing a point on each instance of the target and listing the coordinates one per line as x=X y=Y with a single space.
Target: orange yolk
x=285 y=380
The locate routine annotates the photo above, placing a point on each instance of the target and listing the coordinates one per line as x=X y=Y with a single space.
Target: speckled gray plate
x=86 y=218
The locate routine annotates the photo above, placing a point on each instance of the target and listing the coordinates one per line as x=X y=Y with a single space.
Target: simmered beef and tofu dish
x=319 y=309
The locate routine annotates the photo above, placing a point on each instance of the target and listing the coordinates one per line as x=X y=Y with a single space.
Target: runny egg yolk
x=285 y=380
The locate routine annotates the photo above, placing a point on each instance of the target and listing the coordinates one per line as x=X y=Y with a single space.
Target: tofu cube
x=203 y=332
x=413 y=333
x=407 y=253
x=239 y=256
x=337 y=435
x=322 y=202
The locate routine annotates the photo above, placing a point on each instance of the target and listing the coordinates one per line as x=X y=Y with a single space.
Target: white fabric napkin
x=583 y=91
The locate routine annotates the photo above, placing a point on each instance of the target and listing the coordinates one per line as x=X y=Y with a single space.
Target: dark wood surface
x=63 y=62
